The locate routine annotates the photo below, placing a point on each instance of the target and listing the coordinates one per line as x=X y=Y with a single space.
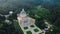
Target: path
x=30 y=29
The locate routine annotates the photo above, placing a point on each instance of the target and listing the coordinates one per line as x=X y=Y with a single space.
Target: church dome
x=23 y=12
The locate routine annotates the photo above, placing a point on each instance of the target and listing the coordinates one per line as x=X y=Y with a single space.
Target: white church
x=27 y=24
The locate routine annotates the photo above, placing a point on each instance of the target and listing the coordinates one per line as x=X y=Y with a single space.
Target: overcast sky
x=16 y=3
x=12 y=3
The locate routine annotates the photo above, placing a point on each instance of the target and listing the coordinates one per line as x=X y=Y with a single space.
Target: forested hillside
x=40 y=10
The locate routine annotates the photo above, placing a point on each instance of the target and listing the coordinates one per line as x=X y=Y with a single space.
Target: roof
x=23 y=12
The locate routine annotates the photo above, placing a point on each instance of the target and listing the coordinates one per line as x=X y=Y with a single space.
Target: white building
x=25 y=21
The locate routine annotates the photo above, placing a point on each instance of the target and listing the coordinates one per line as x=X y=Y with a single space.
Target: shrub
x=36 y=30
x=32 y=26
x=29 y=32
x=25 y=28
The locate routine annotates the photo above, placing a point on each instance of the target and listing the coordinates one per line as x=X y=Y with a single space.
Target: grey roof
x=23 y=12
